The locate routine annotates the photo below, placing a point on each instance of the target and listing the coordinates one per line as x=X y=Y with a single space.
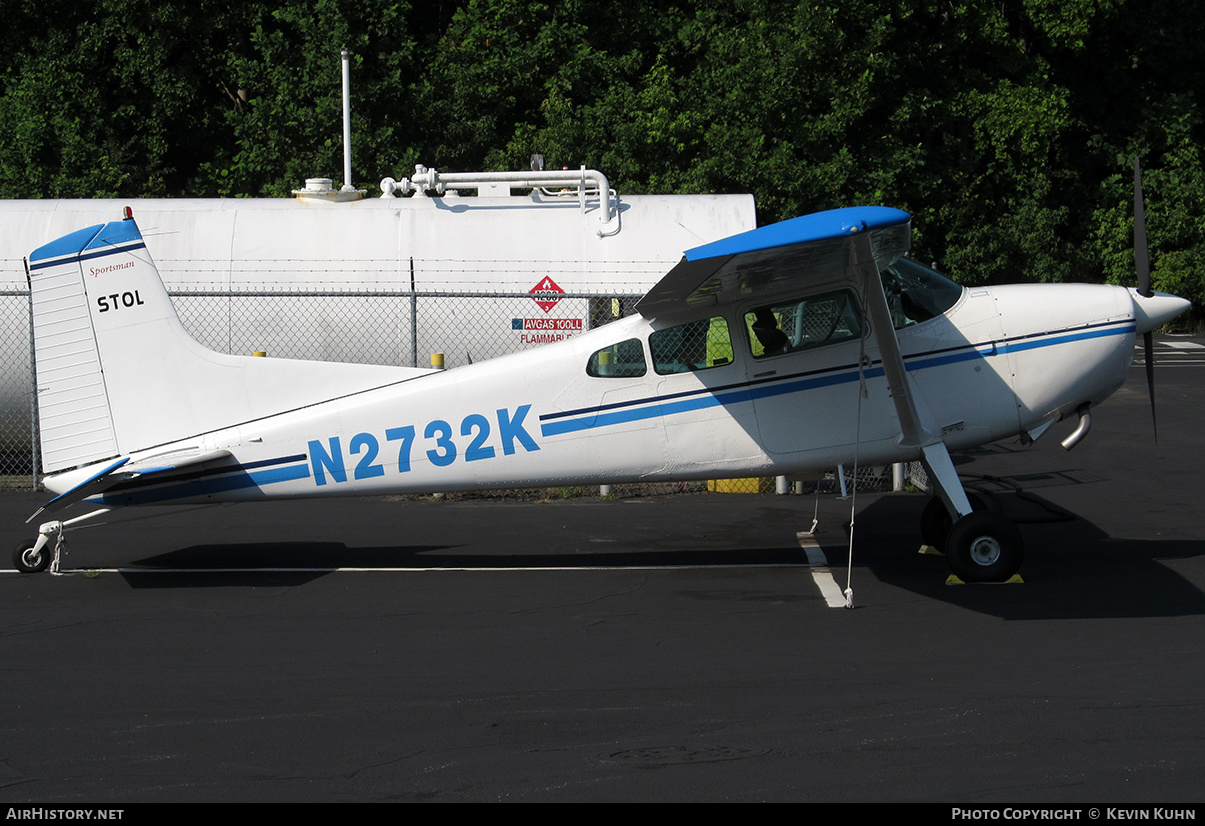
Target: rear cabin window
x=688 y=348
x=791 y=326
x=622 y=360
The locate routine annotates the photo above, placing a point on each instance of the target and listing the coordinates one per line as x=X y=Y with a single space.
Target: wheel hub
x=985 y=550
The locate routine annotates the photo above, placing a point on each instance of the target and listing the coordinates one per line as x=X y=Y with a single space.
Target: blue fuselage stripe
x=1020 y=346
x=233 y=478
x=649 y=408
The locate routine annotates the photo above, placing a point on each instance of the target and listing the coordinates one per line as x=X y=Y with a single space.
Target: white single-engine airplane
x=786 y=350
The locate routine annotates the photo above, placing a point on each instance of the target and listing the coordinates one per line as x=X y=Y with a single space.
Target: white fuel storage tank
x=481 y=268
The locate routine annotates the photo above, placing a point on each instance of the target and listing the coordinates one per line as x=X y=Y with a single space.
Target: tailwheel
x=28 y=558
x=984 y=547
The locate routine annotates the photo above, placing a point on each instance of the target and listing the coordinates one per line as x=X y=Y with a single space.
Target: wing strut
x=918 y=426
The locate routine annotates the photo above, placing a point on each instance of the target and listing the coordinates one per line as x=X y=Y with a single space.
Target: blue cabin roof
x=818 y=226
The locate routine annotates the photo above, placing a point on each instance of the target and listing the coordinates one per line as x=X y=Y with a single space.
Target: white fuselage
x=1001 y=362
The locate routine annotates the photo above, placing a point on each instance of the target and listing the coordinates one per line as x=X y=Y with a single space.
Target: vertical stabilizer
x=75 y=419
x=118 y=373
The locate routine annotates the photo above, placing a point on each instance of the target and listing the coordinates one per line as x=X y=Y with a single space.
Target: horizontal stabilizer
x=123 y=470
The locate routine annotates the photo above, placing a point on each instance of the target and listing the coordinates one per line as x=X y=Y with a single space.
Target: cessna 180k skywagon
x=785 y=350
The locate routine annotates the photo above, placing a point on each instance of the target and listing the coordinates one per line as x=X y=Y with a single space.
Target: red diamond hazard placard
x=546 y=293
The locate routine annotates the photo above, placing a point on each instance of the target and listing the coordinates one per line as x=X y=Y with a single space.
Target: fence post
x=413 y=318
x=35 y=443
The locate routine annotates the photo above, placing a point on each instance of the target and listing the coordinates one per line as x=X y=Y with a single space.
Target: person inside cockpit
x=765 y=327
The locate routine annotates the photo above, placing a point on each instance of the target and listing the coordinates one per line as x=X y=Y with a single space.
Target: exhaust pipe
x=1077 y=435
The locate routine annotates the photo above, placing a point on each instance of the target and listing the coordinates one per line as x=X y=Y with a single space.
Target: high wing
x=766 y=261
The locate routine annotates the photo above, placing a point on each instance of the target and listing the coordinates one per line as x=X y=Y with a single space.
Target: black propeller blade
x=1143 y=265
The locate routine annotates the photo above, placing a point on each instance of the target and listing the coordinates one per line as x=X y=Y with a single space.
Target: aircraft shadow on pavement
x=1072 y=568
x=298 y=562
x=259 y=562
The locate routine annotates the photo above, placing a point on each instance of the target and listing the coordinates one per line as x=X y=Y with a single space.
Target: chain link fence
x=17 y=462
x=400 y=327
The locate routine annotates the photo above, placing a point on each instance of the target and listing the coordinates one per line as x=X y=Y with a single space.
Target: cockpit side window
x=622 y=360
x=916 y=293
x=790 y=326
x=688 y=348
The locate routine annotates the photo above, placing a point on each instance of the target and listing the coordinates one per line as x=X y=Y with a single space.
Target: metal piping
x=1077 y=435
x=440 y=182
x=347 y=187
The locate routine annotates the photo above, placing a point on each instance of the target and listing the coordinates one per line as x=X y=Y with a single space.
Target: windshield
x=916 y=293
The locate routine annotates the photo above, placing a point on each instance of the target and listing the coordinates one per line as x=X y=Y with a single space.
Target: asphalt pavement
x=671 y=648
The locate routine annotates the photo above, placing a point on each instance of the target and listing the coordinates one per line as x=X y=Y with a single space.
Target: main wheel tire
x=935 y=522
x=28 y=562
x=984 y=547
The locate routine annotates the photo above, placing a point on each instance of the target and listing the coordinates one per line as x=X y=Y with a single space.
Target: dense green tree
x=286 y=117
x=1007 y=129
x=110 y=98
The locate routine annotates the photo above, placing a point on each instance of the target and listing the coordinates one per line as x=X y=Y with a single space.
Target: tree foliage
x=1007 y=129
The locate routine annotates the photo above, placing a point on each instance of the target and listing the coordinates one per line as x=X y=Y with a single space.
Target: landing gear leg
x=935 y=521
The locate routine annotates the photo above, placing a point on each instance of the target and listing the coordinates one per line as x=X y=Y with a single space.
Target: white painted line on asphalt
x=818 y=562
x=433 y=569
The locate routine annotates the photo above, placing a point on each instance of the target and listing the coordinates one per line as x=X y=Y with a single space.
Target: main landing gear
x=982 y=546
